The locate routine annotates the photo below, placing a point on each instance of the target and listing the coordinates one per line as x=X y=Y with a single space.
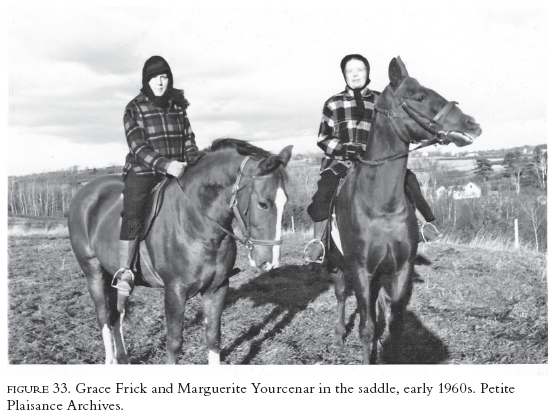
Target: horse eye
x=263 y=206
x=421 y=98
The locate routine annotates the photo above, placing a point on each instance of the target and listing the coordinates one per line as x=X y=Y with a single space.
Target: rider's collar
x=350 y=95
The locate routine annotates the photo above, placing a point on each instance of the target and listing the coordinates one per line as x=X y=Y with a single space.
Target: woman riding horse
x=161 y=142
x=343 y=135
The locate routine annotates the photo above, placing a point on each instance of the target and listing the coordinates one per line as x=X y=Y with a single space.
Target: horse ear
x=285 y=155
x=397 y=72
x=273 y=161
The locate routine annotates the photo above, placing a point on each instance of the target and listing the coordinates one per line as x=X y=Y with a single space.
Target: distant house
x=460 y=192
x=441 y=191
x=542 y=200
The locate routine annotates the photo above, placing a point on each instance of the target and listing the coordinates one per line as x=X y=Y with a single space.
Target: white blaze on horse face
x=280 y=201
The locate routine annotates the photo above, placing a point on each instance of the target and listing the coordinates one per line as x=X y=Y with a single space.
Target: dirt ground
x=469 y=306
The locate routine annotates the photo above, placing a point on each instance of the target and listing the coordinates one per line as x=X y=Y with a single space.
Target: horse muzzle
x=264 y=258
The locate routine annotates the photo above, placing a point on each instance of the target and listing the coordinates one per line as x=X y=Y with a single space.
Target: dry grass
x=469 y=306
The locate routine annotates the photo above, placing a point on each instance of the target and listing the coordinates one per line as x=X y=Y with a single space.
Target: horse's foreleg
x=212 y=305
x=175 y=299
x=366 y=312
x=341 y=295
x=401 y=290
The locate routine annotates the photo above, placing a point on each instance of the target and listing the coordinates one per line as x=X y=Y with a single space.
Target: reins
x=393 y=114
x=245 y=229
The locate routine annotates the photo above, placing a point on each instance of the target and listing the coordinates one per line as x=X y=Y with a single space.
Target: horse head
x=263 y=205
x=258 y=199
x=427 y=116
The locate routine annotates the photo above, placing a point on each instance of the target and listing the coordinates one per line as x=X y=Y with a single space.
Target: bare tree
x=537 y=214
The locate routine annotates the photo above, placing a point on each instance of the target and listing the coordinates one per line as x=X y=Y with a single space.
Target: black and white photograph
x=298 y=189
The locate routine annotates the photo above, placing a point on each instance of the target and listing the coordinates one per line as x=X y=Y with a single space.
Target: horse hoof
x=338 y=342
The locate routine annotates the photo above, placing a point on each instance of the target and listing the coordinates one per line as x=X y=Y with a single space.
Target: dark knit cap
x=154 y=66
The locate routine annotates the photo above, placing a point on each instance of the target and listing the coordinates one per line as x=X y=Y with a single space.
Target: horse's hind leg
x=212 y=305
x=116 y=321
x=97 y=289
x=341 y=295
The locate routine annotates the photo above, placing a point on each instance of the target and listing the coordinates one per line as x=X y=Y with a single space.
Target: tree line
x=50 y=194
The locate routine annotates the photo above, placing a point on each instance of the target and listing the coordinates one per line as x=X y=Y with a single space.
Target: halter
x=427 y=124
x=246 y=239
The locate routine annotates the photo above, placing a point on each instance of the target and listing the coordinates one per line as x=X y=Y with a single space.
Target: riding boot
x=124 y=276
x=315 y=250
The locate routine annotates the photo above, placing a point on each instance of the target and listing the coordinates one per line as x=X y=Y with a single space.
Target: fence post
x=517 y=243
x=293 y=224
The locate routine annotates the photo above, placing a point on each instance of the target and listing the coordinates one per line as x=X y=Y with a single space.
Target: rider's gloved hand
x=352 y=149
x=176 y=169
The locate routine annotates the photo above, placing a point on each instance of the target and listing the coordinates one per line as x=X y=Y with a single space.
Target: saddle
x=141 y=263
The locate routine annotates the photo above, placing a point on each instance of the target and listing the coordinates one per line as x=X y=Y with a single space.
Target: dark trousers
x=413 y=192
x=136 y=194
x=319 y=209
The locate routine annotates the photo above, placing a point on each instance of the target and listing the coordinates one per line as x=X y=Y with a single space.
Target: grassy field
x=473 y=304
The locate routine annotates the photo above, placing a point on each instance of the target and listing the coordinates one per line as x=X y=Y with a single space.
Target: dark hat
x=154 y=66
x=356 y=57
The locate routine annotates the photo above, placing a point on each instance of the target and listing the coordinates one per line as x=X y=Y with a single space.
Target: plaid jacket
x=339 y=126
x=156 y=136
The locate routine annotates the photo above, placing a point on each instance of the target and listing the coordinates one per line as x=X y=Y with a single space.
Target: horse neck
x=209 y=186
x=385 y=182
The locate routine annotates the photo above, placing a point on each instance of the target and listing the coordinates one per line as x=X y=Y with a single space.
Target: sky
x=260 y=74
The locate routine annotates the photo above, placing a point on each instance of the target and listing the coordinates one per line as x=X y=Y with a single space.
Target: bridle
x=246 y=240
x=433 y=126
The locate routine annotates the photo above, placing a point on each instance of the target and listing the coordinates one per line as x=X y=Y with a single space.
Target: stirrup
x=318 y=261
x=424 y=240
x=126 y=288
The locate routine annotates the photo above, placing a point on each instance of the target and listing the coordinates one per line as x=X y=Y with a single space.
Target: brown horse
x=191 y=243
x=376 y=223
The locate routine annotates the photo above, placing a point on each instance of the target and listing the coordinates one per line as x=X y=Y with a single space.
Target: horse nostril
x=471 y=122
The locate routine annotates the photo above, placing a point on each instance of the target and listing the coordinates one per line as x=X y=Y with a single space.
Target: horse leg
x=341 y=296
x=367 y=314
x=401 y=289
x=116 y=321
x=97 y=289
x=175 y=299
x=382 y=308
x=213 y=301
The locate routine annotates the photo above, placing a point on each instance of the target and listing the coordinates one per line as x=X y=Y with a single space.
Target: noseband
x=433 y=125
x=246 y=239
x=429 y=125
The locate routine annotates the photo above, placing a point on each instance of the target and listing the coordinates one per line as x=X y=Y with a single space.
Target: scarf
x=359 y=110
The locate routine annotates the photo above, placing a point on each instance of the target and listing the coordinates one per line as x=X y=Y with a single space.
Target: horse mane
x=245 y=148
x=241 y=146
